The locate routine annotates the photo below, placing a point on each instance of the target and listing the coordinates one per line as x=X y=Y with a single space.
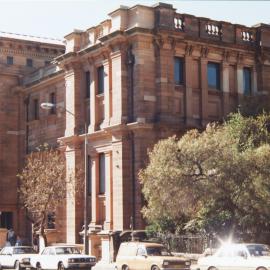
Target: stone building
x=19 y=55
x=142 y=75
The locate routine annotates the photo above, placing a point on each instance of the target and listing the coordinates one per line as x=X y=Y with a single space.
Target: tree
x=216 y=181
x=42 y=185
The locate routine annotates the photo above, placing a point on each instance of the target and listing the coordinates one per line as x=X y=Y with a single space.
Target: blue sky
x=56 y=18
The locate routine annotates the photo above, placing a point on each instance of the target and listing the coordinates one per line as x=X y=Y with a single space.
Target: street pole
x=49 y=106
x=86 y=245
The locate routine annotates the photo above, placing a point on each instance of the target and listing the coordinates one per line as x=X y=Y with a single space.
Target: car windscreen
x=67 y=250
x=24 y=250
x=157 y=251
x=258 y=250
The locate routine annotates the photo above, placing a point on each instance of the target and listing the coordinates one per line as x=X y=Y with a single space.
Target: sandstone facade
x=144 y=74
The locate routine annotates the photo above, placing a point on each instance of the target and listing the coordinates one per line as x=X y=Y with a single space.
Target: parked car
x=237 y=257
x=148 y=256
x=62 y=257
x=16 y=257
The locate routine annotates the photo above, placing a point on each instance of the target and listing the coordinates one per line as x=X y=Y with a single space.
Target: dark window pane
x=101 y=173
x=53 y=101
x=213 y=75
x=247 y=81
x=87 y=84
x=178 y=70
x=29 y=62
x=89 y=175
x=6 y=220
x=101 y=80
x=9 y=60
x=51 y=221
x=36 y=109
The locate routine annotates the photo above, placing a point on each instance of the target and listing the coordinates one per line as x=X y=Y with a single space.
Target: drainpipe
x=130 y=64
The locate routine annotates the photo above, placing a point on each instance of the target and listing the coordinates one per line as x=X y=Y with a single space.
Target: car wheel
x=38 y=266
x=125 y=267
x=60 y=266
x=155 y=267
x=261 y=268
x=17 y=265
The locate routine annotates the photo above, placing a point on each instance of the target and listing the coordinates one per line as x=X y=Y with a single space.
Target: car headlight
x=71 y=260
x=165 y=263
x=26 y=260
x=187 y=263
x=93 y=259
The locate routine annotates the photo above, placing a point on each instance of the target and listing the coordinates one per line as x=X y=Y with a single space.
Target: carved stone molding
x=189 y=49
x=204 y=51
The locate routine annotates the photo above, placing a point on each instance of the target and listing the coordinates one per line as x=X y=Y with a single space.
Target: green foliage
x=219 y=179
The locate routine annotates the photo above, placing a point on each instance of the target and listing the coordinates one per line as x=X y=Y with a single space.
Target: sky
x=57 y=18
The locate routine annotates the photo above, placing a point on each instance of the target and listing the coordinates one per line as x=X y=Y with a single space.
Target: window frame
x=53 y=101
x=217 y=85
x=100 y=80
x=247 y=92
x=10 y=60
x=102 y=175
x=87 y=83
x=35 y=109
x=181 y=71
x=29 y=62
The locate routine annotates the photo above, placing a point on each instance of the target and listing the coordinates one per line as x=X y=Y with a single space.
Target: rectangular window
x=100 y=72
x=51 y=221
x=6 y=220
x=29 y=62
x=178 y=70
x=53 y=101
x=36 y=109
x=247 y=81
x=102 y=173
x=87 y=84
x=9 y=60
x=89 y=175
x=213 y=75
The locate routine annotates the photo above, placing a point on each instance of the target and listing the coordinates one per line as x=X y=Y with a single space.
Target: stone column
x=240 y=82
x=107 y=92
x=254 y=81
x=204 y=91
x=225 y=88
x=93 y=102
x=73 y=78
x=108 y=175
x=74 y=206
x=188 y=93
x=119 y=101
x=94 y=189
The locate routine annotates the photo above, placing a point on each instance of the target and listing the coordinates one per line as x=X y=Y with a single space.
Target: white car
x=237 y=257
x=62 y=257
x=16 y=257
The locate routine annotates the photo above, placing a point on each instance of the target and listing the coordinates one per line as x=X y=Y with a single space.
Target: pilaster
x=188 y=92
x=93 y=101
x=204 y=91
x=107 y=91
x=94 y=190
x=108 y=174
x=74 y=117
x=225 y=88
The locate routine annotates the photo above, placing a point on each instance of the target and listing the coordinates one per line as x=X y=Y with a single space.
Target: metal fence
x=187 y=243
